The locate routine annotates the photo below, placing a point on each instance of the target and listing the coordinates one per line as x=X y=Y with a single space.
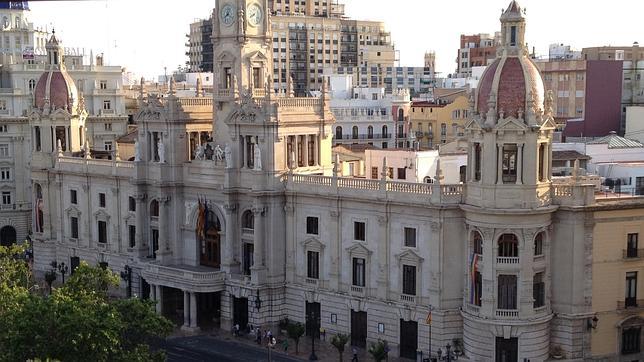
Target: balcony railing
x=630 y=303
x=408 y=298
x=472 y=308
x=357 y=290
x=507 y=313
x=311 y=281
x=507 y=260
x=373 y=136
x=633 y=253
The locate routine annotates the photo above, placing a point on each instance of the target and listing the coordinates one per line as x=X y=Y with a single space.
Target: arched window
x=354 y=132
x=210 y=251
x=477 y=243
x=248 y=220
x=401 y=115
x=370 y=132
x=401 y=131
x=508 y=246
x=154 y=208
x=538 y=244
x=338 y=133
x=385 y=130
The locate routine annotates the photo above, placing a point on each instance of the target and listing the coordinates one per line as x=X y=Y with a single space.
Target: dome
x=512 y=84
x=55 y=89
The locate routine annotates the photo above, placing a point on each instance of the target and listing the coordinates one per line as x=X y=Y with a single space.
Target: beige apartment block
x=567 y=80
x=434 y=124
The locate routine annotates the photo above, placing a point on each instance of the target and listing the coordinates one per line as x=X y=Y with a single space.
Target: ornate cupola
x=511 y=131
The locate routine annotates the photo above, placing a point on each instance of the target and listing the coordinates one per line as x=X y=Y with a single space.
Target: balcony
x=472 y=308
x=357 y=291
x=312 y=282
x=362 y=137
x=630 y=304
x=409 y=299
x=507 y=260
x=633 y=253
x=185 y=277
x=507 y=313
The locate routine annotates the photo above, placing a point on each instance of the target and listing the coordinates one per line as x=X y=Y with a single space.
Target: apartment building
x=436 y=123
x=199 y=46
x=475 y=51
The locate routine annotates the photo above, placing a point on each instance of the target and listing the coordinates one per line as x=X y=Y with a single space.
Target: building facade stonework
x=243 y=218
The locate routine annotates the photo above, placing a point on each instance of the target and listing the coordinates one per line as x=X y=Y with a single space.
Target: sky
x=145 y=36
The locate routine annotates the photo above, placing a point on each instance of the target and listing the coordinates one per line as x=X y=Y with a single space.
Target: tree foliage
x=295 y=331
x=339 y=341
x=77 y=322
x=379 y=350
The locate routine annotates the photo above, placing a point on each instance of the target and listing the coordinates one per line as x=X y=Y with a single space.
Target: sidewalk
x=324 y=350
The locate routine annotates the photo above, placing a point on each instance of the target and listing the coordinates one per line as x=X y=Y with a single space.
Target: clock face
x=254 y=15
x=228 y=14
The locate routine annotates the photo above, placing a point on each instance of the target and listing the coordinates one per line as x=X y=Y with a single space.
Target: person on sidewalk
x=285 y=345
x=258 y=334
x=355 y=355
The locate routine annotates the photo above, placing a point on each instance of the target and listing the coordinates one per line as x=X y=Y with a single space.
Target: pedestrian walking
x=285 y=345
x=355 y=355
x=258 y=334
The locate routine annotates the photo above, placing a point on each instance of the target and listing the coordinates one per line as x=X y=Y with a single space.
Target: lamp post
x=313 y=324
x=126 y=275
x=61 y=267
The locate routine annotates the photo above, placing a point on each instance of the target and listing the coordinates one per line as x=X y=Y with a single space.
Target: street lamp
x=313 y=324
x=62 y=268
x=126 y=275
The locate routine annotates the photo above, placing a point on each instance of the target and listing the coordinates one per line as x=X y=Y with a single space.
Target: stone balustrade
x=95 y=166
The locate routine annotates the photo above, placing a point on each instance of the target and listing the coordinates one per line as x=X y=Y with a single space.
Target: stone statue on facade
x=548 y=103
x=229 y=156
x=199 y=153
x=161 y=151
x=257 y=158
x=219 y=153
x=59 y=147
x=137 y=151
x=88 y=152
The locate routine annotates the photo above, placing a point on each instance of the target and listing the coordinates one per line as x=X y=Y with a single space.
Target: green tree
x=295 y=331
x=77 y=322
x=339 y=341
x=379 y=350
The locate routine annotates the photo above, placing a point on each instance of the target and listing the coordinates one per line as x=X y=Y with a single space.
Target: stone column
x=336 y=247
x=316 y=149
x=383 y=256
x=258 y=268
x=548 y=166
x=228 y=255
x=519 y=164
x=186 y=309
x=140 y=221
x=305 y=150
x=291 y=247
x=471 y=167
x=499 y=165
x=153 y=292
x=193 y=311
x=159 y=299
x=164 y=221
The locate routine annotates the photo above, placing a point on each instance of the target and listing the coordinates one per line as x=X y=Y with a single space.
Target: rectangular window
x=631 y=340
x=507 y=292
x=358 y=272
x=509 y=163
x=5 y=173
x=631 y=246
x=402 y=173
x=132 y=235
x=107 y=105
x=410 y=237
x=538 y=290
x=313 y=265
x=3 y=105
x=4 y=150
x=73 y=197
x=131 y=204
x=103 y=84
x=390 y=172
x=108 y=145
x=409 y=280
x=228 y=78
x=312 y=225
x=6 y=197
x=513 y=35
x=257 y=80
x=374 y=173
x=101 y=200
x=477 y=162
x=102 y=232
x=74 y=227
x=631 y=289
x=359 y=231
x=107 y=126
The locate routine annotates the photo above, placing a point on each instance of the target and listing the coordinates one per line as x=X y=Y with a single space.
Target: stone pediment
x=101 y=215
x=313 y=243
x=473 y=125
x=409 y=255
x=358 y=249
x=72 y=210
x=511 y=124
x=549 y=124
x=257 y=57
x=245 y=112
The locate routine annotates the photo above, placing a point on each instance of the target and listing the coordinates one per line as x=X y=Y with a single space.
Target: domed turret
x=511 y=85
x=55 y=88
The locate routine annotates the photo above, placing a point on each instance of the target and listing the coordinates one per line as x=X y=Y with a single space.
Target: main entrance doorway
x=408 y=339
x=359 y=329
x=507 y=349
x=7 y=236
x=313 y=319
x=210 y=254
